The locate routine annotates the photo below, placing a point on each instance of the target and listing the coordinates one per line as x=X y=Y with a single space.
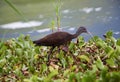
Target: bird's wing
x=55 y=38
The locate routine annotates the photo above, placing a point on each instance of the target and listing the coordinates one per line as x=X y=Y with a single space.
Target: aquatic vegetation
x=97 y=60
x=15 y=9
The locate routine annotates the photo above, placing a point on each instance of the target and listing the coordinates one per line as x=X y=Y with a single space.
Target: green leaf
x=117 y=51
x=89 y=76
x=78 y=76
x=99 y=64
x=94 y=68
x=26 y=44
x=103 y=75
x=70 y=60
x=19 y=44
x=19 y=51
x=51 y=68
x=110 y=51
x=51 y=75
x=3 y=50
x=96 y=38
x=71 y=46
x=109 y=34
x=84 y=57
x=73 y=67
x=81 y=41
x=118 y=42
x=66 y=72
x=110 y=62
x=34 y=78
x=72 y=77
x=8 y=52
x=2 y=62
x=43 y=68
x=18 y=73
x=27 y=37
x=64 y=62
x=111 y=77
x=83 y=65
x=61 y=55
x=58 y=80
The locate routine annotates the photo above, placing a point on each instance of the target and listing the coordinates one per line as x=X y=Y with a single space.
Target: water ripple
x=18 y=25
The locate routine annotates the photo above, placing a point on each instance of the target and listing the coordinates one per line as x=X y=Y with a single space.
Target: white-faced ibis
x=58 y=38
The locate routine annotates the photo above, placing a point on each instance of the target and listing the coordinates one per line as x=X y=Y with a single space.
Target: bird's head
x=82 y=30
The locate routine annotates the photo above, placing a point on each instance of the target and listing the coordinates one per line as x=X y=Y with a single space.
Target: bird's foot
x=65 y=48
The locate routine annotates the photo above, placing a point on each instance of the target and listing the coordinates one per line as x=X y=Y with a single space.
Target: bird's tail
x=36 y=42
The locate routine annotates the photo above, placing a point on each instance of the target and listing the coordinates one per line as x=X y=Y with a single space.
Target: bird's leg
x=50 y=53
x=65 y=47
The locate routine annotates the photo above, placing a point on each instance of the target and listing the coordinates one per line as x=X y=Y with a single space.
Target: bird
x=58 y=38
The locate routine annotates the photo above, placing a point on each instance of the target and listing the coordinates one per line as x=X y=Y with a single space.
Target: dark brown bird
x=58 y=38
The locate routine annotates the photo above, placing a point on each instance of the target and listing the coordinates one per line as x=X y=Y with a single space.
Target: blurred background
x=98 y=16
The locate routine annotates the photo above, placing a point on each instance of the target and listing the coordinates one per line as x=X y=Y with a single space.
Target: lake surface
x=98 y=16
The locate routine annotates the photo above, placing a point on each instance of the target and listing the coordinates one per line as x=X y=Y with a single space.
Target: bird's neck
x=76 y=34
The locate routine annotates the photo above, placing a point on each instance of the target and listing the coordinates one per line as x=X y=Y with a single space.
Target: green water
x=73 y=14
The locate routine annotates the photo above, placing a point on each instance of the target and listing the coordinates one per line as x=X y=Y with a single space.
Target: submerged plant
x=52 y=25
x=57 y=7
x=15 y=9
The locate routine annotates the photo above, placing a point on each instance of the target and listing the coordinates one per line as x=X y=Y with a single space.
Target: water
x=98 y=16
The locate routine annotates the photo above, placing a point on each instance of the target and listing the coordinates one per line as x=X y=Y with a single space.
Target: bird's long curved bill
x=90 y=35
